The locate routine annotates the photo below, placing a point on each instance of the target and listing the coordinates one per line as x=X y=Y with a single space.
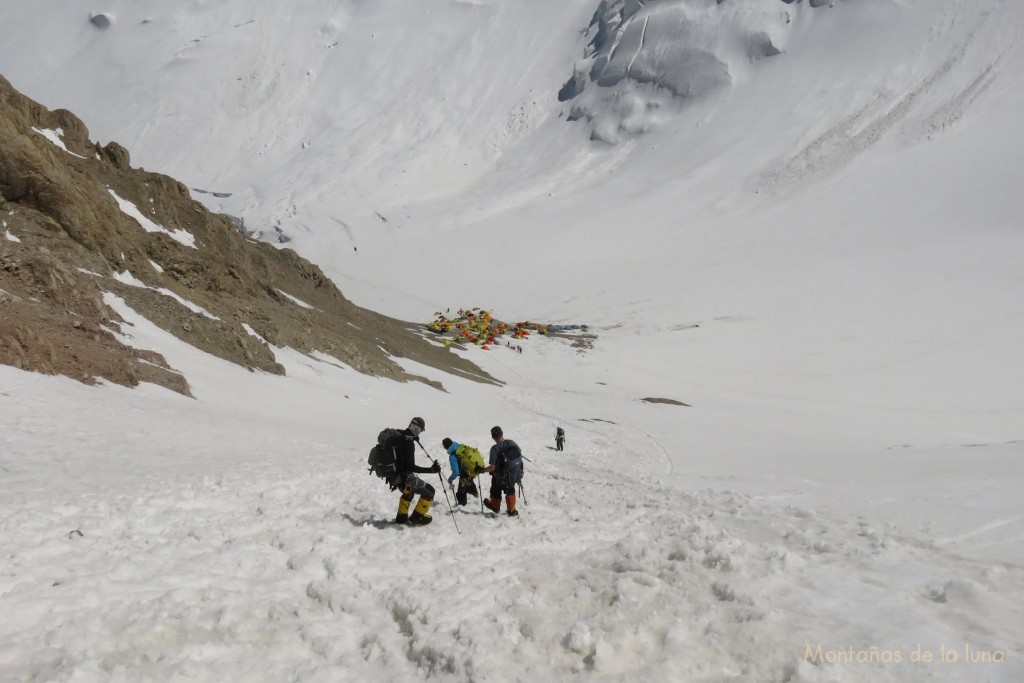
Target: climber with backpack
x=394 y=460
x=506 y=468
x=559 y=439
x=466 y=463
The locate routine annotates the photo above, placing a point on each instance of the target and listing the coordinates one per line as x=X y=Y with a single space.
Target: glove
x=436 y=467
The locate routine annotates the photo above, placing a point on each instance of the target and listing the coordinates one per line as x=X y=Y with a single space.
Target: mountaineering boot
x=403 y=511
x=493 y=504
x=419 y=516
x=510 y=503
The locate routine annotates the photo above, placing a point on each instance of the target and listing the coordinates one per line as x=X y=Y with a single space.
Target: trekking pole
x=446 y=499
x=445 y=490
x=480 y=490
x=522 y=493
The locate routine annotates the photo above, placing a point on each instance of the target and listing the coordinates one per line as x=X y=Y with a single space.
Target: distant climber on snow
x=559 y=439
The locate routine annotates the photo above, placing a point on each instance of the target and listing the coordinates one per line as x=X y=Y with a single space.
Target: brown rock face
x=64 y=236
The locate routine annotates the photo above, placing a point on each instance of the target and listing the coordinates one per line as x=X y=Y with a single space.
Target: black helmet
x=496 y=432
x=446 y=442
x=418 y=421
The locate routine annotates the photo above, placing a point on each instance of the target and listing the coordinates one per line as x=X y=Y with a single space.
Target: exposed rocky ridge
x=65 y=241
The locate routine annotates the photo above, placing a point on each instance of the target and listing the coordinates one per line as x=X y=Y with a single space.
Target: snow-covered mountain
x=798 y=218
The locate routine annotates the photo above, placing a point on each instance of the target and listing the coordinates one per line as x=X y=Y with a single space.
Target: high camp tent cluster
x=479 y=327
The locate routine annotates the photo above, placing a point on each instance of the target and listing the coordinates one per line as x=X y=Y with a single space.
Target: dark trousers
x=500 y=485
x=467 y=487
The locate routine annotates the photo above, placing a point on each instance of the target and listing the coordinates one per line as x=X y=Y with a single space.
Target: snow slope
x=801 y=221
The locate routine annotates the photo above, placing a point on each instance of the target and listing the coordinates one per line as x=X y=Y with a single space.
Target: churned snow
x=802 y=221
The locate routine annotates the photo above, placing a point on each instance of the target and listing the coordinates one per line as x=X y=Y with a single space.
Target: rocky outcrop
x=647 y=59
x=78 y=224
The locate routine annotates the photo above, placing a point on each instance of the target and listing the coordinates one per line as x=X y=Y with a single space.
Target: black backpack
x=382 y=456
x=511 y=461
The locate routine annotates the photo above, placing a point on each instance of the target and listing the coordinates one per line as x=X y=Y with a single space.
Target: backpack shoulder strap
x=506 y=450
